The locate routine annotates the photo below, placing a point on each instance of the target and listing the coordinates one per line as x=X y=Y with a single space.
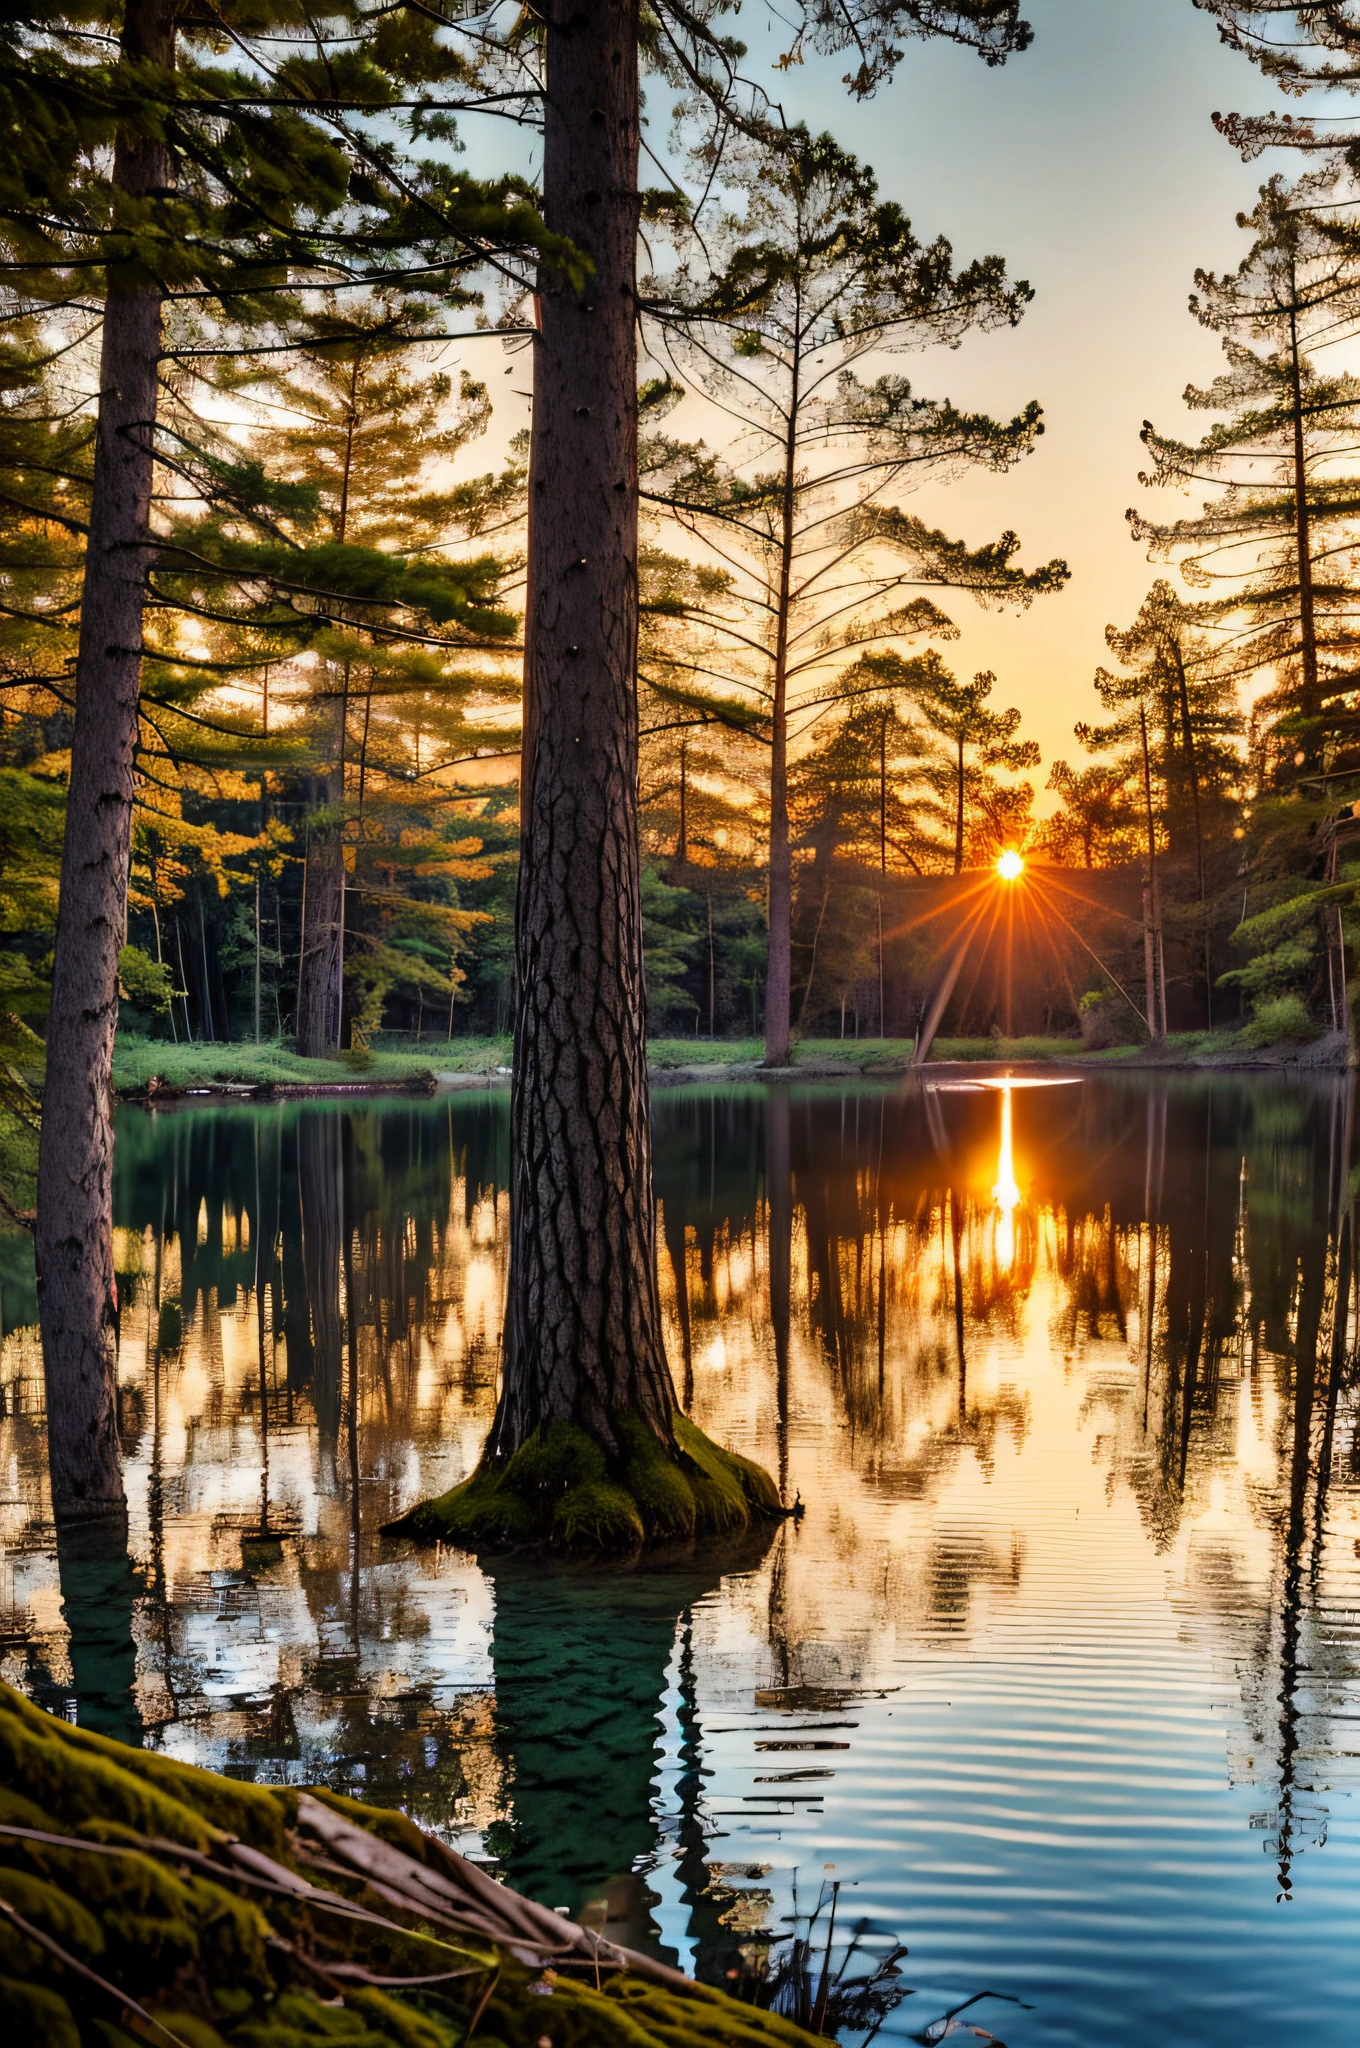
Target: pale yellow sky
x=1092 y=165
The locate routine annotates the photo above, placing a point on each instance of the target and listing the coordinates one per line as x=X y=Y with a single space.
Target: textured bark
x=583 y=1326
x=77 y=1296
x=318 y=1021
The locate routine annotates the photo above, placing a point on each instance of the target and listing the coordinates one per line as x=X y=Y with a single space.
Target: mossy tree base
x=561 y=1492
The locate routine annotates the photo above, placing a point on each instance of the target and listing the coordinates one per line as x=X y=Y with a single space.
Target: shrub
x=1106 y=1019
x=1279 y=1020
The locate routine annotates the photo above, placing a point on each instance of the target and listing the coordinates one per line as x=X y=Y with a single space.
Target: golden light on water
x=1010 y=866
x=1006 y=1193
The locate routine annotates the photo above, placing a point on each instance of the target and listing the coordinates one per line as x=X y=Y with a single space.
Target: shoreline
x=241 y=1073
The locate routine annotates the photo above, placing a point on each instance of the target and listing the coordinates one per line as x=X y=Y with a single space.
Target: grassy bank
x=136 y=1061
x=395 y=1060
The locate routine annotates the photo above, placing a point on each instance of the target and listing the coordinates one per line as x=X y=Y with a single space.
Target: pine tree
x=1271 y=548
x=44 y=487
x=975 y=811
x=671 y=939
x=856 y=804
x=1136 y=700
x=699 y=744
x=857 y=793
x=1325 y=51
x=370 y=434
x=158 y=175
x=584 y=1358
x=817 y=274
x=1196 y=726
x=1096 y=825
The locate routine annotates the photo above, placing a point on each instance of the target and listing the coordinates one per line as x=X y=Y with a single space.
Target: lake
x=1057 y=1678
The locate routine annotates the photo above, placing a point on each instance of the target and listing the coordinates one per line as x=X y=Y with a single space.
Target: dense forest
x=325 y=820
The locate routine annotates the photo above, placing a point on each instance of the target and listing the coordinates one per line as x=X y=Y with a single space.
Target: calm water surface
x=1058 y=1678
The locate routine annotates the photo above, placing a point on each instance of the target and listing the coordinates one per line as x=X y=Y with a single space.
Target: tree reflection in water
x=897 y=1299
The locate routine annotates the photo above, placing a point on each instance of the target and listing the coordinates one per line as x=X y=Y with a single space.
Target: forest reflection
x=952 y=1319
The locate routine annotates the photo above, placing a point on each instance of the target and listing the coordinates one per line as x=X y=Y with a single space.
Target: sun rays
x=1008 y=910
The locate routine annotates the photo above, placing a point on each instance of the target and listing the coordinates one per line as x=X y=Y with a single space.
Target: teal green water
x=1058 y=1677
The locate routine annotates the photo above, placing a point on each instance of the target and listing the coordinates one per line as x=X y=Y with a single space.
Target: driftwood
x=465 y=1898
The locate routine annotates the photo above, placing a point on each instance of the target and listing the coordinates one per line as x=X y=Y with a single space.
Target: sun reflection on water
x=1006 y=1193
x=1076 y=1581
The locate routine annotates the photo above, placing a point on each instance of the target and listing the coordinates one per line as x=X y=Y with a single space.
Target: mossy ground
x=215 y=1964
x=561 y=1492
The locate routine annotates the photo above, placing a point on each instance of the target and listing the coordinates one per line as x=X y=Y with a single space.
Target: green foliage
x=1286 y=433
x=144 y=982
x=21 y=1059
x=1277 y=969
x=408 y=640
x=1279 y=1020
x=281 y=134
x=32 y=814
x=671 y=941
x=140 y=1063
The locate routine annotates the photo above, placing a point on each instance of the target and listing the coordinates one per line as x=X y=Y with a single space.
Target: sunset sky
x=1090 y=163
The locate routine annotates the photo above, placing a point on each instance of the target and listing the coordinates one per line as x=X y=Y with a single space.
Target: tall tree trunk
x=1183 y=692
x=319 y=968
x=77 y=1295
x=1312 y=699
x=1152 y=914
x=779 y=972
x=583 y=1335
x=958 y=814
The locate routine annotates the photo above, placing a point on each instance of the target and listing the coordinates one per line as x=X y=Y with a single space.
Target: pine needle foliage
x=811 y=274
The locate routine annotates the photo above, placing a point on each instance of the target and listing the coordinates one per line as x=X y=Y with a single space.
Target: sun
x=1010 y=867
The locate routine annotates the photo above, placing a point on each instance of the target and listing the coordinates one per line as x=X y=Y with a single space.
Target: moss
x=45 y=1906
x=561 y=1492
x=30 y=2012
x=72 y=1786
x=143 y=1790
x=193 y=1951
x=733 y=1488
x=192 y=2030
